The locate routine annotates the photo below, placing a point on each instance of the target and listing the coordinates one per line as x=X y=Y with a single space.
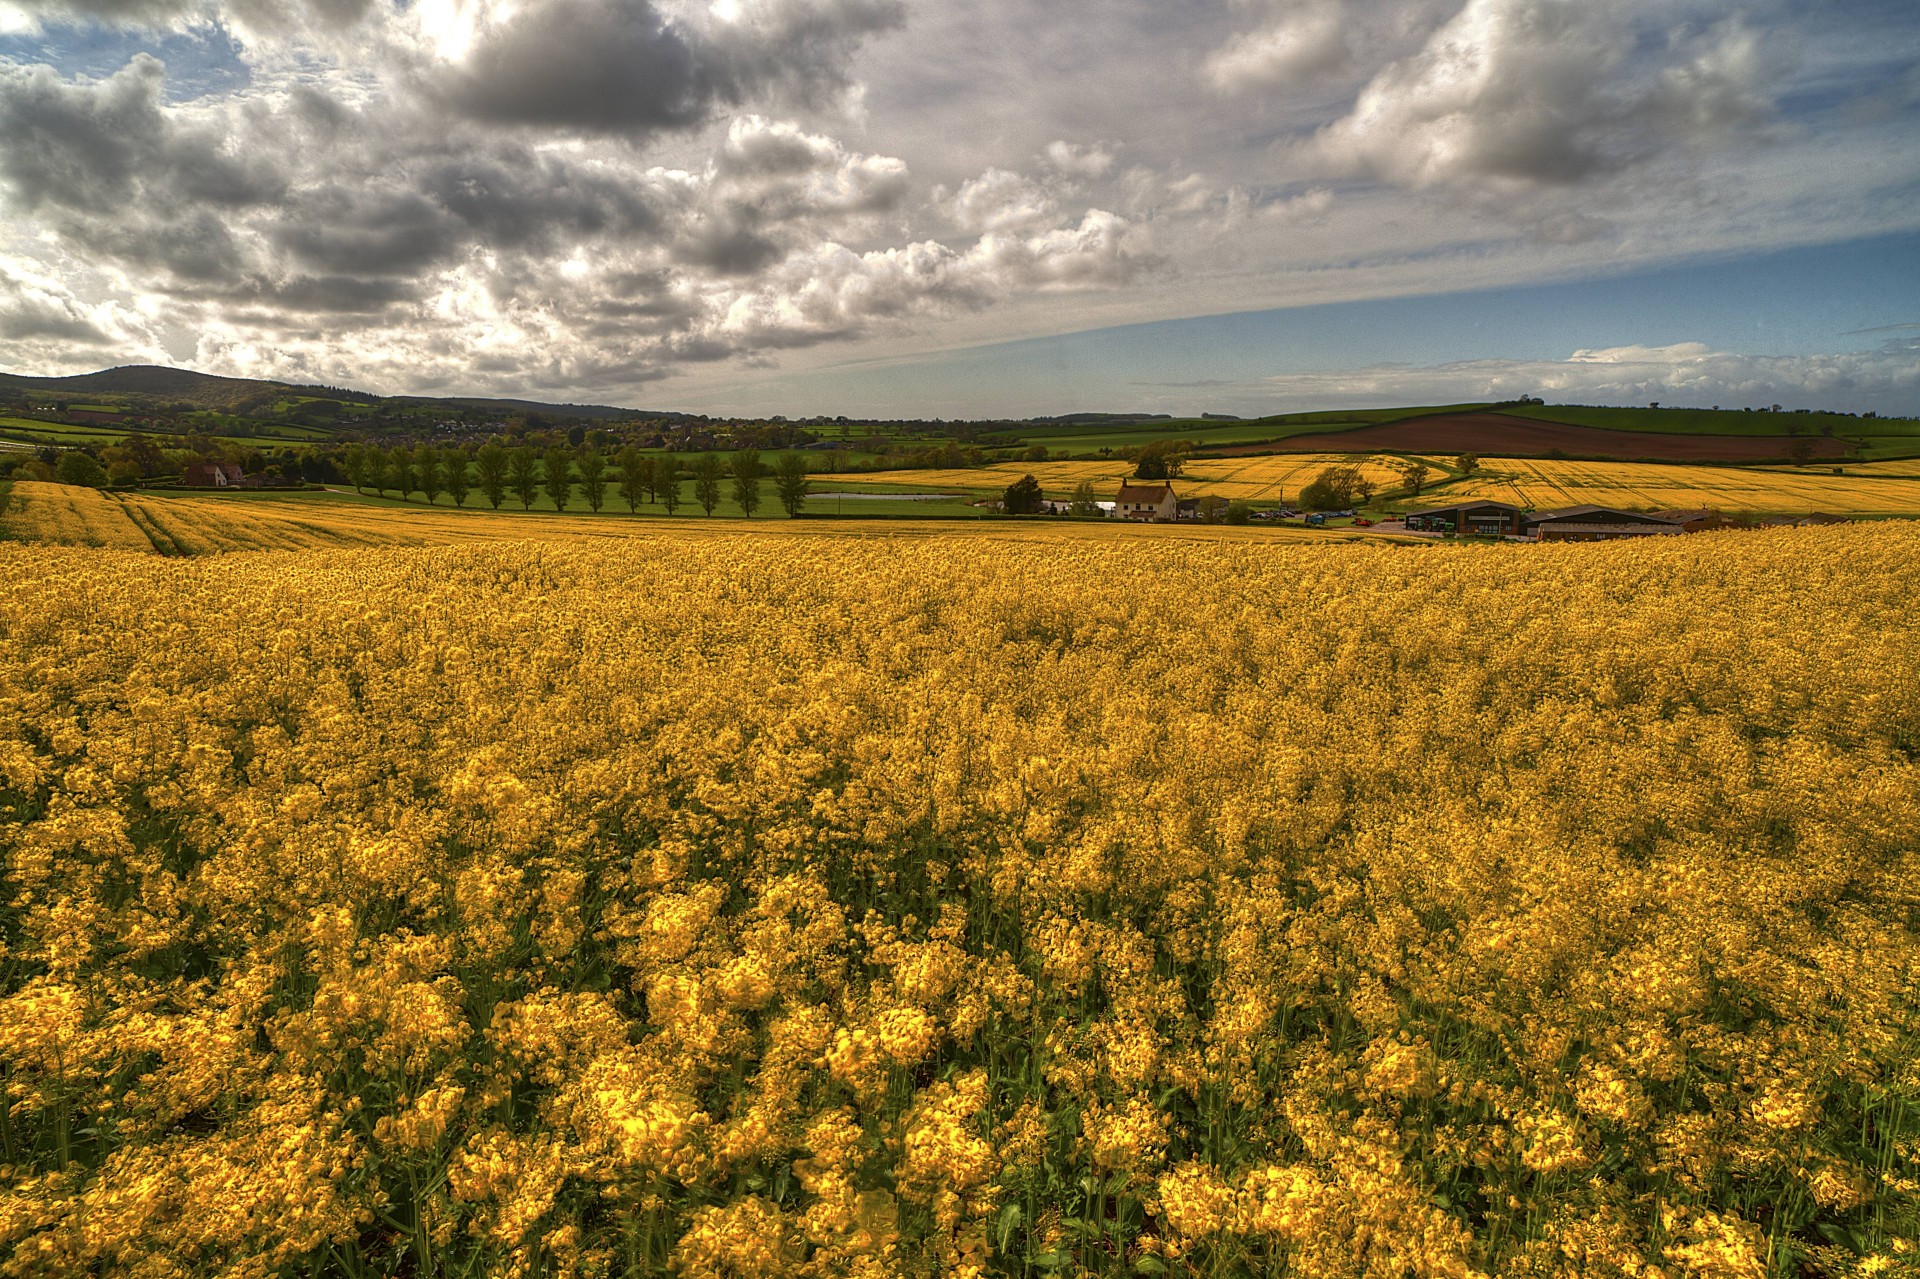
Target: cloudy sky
x=996 y=206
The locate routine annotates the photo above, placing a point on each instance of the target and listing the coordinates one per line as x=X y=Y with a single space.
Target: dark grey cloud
x=283 y=17
x=86 y=146
x=115 y=11
x=385 y=230
x=625 y=67
x=609 y=66
x=514 y=198
x=793 y=52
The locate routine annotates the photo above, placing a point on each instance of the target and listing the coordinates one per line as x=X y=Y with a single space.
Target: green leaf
x=1148 y=1264
x=1010 y=1220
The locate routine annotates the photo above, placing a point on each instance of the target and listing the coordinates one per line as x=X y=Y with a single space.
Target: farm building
x=1696 y=521
x=1480 y=519
x=1145 y=502
x=1598 y=523
x=1816 y=519
x=220 y=475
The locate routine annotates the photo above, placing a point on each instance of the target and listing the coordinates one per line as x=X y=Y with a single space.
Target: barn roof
x=1585 y=514
x=1152 y=494
x=1466 y=506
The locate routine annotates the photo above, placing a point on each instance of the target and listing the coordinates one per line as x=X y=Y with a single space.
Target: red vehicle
x=1362 y=522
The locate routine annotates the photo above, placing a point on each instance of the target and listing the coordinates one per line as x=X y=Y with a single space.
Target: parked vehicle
x=1363 y=522
x=1316 y=520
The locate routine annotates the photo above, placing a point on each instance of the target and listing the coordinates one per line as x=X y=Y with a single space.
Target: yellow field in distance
x=1545 y=484
x=62 y=515
x=1267 y=477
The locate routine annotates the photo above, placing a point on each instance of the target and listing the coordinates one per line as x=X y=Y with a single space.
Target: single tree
x=1801 y=451
x=1239 y=512
x=1161 y=460
x=1084 y=502
x=524 y=467
x=1416 y=473
x=400 y=472
x=557 y=473
x=1336 y=488
x=1022 y=497
x=593 y=478
x=376 y=468
x=453 y=474
x=491 y=464
x=666 y=479
x=790 y=481
x=427 y=460
x=1468 y=463
x=706 y=481
x=1213 y=510
x=746 y=480
x=635 y=476
x=355 y=465
x=81 y=469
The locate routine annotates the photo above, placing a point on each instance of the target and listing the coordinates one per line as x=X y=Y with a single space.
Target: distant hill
x=1099 y=419
x=601 y=411
x=147 y=381
x=149 y=385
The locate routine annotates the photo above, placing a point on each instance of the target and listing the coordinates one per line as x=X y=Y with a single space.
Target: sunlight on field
x=59 y=515
x=1907 y=466
x=62 y=515
x=719 y=905
x=1269 y=477
x=1543 y=484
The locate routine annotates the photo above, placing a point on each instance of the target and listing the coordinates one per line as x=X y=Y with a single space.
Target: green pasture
x=34 y=431
x=1716 y=422
x=1091 y=437
x=1885 y=447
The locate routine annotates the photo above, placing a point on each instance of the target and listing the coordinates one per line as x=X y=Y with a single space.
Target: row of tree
x=526 y=472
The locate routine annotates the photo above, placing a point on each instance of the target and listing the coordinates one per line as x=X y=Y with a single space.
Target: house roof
x=1585 y=515
x=1151 y=494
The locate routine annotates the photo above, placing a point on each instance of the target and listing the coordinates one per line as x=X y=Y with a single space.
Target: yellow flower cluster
x=722 y=906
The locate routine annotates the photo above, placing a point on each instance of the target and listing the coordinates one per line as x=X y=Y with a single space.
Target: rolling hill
x=148 y=386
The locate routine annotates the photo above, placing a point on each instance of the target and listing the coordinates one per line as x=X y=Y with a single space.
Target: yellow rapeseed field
x=1544 y=484
x=727 y=906
x=60 y=515
x=1265 y=477
x=1907 y=466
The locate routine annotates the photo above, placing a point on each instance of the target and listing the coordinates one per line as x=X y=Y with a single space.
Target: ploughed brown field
x=1503 y=436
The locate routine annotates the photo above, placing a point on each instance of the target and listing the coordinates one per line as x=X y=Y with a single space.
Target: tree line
x=525 y=473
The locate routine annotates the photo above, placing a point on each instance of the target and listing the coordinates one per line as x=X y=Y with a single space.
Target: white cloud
x=41 y=315
x=1079 y=161
x=1299 y=42
x=999 y=200
x=1534 y=93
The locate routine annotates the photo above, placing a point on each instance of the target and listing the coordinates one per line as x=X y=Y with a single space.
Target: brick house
x=212 y=475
